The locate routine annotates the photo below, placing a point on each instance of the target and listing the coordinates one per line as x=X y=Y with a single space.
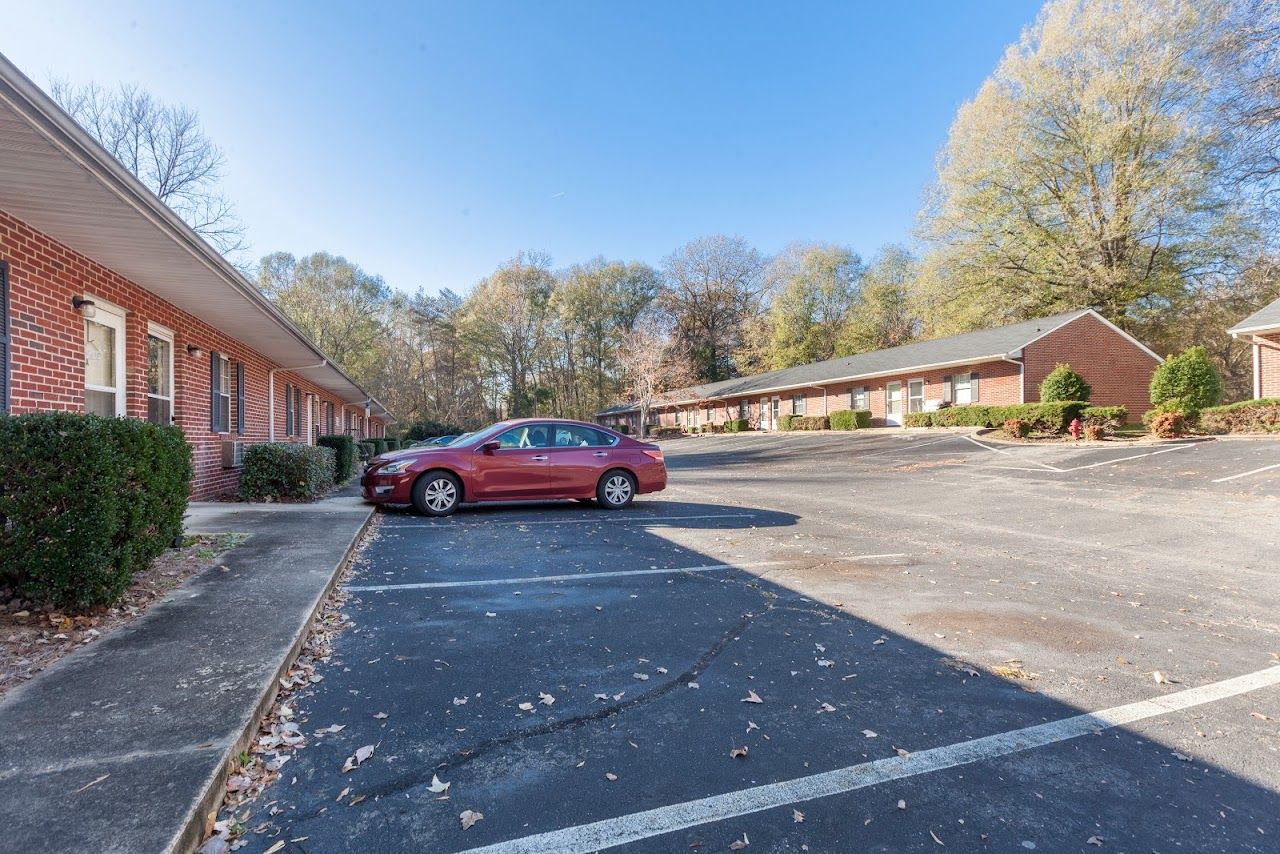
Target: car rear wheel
x=436 y=493
x=616 y=489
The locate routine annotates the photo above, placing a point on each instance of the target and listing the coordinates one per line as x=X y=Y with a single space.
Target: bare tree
x=652 y=362
x=165 y=147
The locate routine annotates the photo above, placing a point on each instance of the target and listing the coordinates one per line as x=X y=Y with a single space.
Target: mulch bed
x=32 y=636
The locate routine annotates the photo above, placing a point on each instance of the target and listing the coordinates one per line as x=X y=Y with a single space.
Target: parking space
x=818 y=643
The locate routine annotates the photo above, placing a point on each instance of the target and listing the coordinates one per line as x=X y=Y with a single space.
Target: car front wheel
x=616 y=490
x=437 y=494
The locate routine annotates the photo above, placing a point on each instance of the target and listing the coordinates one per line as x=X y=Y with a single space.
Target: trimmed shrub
x=1108 y=418
x=624 y=429
x=1017 y=428
x=737 y=425
x=393 y=444
x=1168 y=425
x=379 y=446
x=365 y=448
x=1189 y=378
x=862 y=418
x=1247 y=416
x=344 y=455
x=842 y=420
x=1095 y=432
x=656 y=432
x=429 y=429
x=784 y=422
x=285 y=470
x=87 y=502
x=1050 y=417
x=810 y=422
x=1062 y=383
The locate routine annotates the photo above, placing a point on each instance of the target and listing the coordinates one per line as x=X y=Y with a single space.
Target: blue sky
x=429 y=143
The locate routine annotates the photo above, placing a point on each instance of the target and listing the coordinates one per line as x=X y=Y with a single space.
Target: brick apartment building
x=1262 y=330
x=110 y=304
x=992 y=366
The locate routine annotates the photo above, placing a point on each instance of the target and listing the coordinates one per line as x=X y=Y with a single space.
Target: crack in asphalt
x=465 y=756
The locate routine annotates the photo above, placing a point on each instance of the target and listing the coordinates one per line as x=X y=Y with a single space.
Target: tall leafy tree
x=815 y=289
x=1083 y=173
x=712 y=287
x=884 y=315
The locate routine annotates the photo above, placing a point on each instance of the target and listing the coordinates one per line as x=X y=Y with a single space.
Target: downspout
x=271 y=395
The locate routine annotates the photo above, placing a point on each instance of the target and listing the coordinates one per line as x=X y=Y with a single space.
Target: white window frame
x=799 y=403
x=108 y=314
x=155 y=330
x=225 y=376
x=956 y=386
x=923 y=388
x=860 y=395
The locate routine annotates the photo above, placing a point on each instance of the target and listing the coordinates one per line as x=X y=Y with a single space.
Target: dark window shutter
x=288 y=410
x=240 y=398
x=297 y=412
x=4 y=337
x=215 y=380
x=973 y=386
x=946 y=388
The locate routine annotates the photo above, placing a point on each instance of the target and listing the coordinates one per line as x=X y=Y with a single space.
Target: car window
x=573 y=436
x=524 y=436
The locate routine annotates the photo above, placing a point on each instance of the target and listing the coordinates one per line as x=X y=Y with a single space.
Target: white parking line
x=655 y=822
x=581 y=576
x=1134 y=457
x=1247 y=473
x=1010 y=453
x=599 y=517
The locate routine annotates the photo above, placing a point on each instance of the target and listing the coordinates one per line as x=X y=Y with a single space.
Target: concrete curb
x=992 y=435
x=191 y=833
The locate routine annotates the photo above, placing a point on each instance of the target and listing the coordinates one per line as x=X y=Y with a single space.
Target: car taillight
x=654 y=454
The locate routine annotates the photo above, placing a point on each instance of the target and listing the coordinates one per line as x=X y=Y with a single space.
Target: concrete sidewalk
x=123 y=745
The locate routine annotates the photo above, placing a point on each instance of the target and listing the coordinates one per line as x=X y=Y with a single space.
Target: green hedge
x=1106 y=417
x=1247 y=416
x=737 y=425
x=1052 y=417
x=344 y=455
x=379 y=446
x=784 y=422
x=366 y=449
x=850 y=419
x=810 y=422
x=393 y=444
x=285 y=470
x=87 y=502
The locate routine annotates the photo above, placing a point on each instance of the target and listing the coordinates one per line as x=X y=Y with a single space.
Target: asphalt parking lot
x=953 y=643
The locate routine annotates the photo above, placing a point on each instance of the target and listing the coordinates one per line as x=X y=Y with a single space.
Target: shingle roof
x=1267 y=317
x=971 y=346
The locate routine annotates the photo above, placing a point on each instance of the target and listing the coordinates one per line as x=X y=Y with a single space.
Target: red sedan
x=530 y=458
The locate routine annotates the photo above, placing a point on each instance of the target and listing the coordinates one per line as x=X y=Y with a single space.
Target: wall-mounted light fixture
x=84 y=307
x=194 y=351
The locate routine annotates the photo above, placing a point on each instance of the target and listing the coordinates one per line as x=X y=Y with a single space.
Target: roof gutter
x=76 y=143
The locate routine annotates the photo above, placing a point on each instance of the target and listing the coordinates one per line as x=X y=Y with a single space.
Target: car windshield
x=457 y=440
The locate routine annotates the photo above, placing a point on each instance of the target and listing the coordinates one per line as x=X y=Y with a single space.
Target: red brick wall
x=1269 y=364
x=47 y=351
x=1119 y=370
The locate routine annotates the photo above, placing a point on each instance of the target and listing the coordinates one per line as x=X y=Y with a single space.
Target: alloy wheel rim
x=617 y=489
x=440 y=494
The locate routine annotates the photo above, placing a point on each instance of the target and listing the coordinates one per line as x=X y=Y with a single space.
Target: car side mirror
x=489 y=447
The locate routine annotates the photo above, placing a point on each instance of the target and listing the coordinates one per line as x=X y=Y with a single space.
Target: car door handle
x=539 y=457
x=600 y=454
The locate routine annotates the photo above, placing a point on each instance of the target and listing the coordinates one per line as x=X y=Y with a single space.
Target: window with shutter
x=240 y=398
x=948 y=393
x=215 y=391
x=297 y=411
x=973 y=386
x=288 y=410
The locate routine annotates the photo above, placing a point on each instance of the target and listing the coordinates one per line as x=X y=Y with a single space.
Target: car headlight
x=397 y=467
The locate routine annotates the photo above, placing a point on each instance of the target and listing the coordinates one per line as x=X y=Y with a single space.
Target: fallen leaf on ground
x=797 y=816
x=752 y=697
x=610 y=776
x=826 y=662
x=739 y=844
x=437 y=785
x=1162 y=679
x=1182 y=757
x=902 y=805
x=274 y=848
x=459 y=701
x=1094 y=840
x=903 y=753
x=662 y=670
x=331 y=728
x=469 y=817
x=962 y=666
x=357 y=799
x=343 y=793
x=1259 y=715
x=751 y=725
x=737 y=753
x=526 y=707
x=643 y=677
x=827 y=707
x=936 y=839
x=545 y=699
x=1012 y=671
x=382 y=716
x=354 y=760
x=870 y=733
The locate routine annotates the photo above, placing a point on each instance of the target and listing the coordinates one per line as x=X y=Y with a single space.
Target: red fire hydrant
x=1075 y=429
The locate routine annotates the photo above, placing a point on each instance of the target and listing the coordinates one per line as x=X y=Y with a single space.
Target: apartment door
x=893 y=404
x=764 y=414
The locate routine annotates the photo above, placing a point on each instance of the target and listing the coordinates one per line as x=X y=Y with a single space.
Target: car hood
x=401 y=454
